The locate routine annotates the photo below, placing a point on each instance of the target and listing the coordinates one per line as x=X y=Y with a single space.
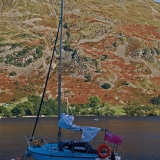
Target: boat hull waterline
x=65 y=156
x=50 y=152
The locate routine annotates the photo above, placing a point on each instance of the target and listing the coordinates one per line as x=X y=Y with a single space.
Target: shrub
x=86 y=58
x=68 y=34
x=98 y=70
x=95 y=62
x=67 y=47
x=156 y=100
x=65 y=25
x=106 y=86
x=13 y=73
x=144 y=51
x=4 y=112
x=29 y=61
x=2 y=39
x=23 y=52
x=125 y=83
x=88 y=78
x=14 y=45
x=74 y=54
x=157 y=51
x=104 y=57
x=115 y=44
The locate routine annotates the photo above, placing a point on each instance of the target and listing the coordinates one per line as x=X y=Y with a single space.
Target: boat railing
x=35 y=141
x=27 y=140
x=96 y=143
x=114 y=148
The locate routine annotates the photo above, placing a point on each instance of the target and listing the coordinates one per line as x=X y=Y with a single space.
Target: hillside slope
x=114 y=42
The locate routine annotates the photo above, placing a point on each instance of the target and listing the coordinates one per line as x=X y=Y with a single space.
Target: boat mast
x=60 y=70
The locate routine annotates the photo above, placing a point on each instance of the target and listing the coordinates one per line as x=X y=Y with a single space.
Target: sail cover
x=88 y=132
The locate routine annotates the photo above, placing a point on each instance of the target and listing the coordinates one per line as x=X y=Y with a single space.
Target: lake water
x=141 y=134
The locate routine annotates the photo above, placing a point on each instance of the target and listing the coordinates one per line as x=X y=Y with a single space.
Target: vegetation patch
x=25 y=56
x=13 y=73
x=106 y=86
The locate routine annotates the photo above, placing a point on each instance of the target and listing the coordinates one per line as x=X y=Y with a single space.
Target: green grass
x=119 y=112
x=10 y=107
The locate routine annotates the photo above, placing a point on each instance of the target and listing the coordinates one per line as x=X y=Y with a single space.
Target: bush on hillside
x=13 y=73
x=106 y=86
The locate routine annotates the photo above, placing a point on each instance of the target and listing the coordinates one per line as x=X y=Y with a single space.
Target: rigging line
x=72 y=136
x=46 y=82
x=29 y=126
x=23 y=157
x=43 y=131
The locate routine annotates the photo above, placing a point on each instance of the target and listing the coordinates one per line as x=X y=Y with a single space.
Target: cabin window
x=79 y=148
x=53 y=149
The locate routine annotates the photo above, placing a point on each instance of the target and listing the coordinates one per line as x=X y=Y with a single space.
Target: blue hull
x=51 y=151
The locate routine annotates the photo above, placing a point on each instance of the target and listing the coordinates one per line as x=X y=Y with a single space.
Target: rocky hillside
x=111 y=48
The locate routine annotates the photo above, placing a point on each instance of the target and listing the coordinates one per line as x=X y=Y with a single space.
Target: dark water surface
x=141 y=134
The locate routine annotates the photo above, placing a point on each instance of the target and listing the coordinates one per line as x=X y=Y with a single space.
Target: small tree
x=16 y=111
x=94 y=101
x=35 y=102
x=4 y=112
x=131 y=108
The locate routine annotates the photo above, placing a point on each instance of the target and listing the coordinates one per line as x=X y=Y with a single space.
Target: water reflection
x=141 y=134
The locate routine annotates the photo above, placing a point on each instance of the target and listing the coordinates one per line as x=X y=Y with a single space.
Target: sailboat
x=39 y=149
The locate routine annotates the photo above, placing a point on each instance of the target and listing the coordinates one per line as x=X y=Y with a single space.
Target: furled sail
x=88 y=132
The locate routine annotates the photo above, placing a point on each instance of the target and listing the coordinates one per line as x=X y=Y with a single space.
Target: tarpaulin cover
x=88 y=132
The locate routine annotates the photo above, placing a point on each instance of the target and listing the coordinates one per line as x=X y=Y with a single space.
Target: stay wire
x=29 y=126
x=46 y=82
x=43 y=131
